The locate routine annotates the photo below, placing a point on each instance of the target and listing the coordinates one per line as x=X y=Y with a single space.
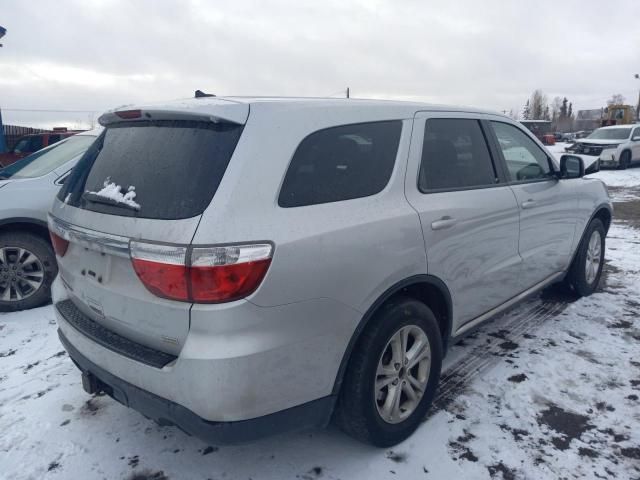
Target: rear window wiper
x=95 y=198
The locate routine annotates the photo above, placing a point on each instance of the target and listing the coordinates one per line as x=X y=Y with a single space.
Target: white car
x=616 y=146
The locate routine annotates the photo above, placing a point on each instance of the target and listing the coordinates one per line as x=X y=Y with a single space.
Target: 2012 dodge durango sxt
x=242 y=266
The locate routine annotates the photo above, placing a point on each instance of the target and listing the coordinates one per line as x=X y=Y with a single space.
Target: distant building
x=588 y=119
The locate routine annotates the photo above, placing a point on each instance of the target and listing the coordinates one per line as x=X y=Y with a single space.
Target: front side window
x=341 y=163
x=636 y=133
x=454 y=156
x=525 y=160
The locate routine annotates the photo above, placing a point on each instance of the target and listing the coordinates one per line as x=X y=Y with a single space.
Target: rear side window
x=455 y=156
x=341 y=163
x=155 y=169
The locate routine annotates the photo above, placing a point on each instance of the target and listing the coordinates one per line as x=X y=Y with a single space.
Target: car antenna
x=201 y=94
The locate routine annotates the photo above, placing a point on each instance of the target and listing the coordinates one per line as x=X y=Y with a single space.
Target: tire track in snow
x=481 y=357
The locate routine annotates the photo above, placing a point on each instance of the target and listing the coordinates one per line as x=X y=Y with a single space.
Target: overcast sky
x=93 y=55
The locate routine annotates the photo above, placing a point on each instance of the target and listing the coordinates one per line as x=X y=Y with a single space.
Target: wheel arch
x=604 y=213
x=426 y=288
x=25 y=224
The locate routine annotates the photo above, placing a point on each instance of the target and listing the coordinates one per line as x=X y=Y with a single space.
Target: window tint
x=454 y=155
x=175 y=168
x=525 y=160
x=53 y=139
x=341 y=163
x=636 y=133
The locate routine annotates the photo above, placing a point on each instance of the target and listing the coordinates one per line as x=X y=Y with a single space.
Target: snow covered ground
x=549 y=390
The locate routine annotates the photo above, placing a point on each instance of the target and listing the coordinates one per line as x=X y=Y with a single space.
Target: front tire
x=625 y=160
x=392 y=375
x=586 y=269
x=27 y=269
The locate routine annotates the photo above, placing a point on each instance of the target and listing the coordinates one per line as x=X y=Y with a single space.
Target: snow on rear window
x=113 y=192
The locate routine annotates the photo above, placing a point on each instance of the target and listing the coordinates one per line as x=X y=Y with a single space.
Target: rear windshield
x=155 y=169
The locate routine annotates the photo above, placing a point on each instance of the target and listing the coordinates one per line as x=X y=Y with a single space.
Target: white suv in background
x=616 y=146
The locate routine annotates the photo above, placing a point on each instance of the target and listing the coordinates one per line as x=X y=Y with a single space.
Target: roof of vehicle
x=202 y=104
x=613 y=127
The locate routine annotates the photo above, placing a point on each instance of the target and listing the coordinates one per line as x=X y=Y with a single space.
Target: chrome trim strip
x=97 y=241
x=508 y=304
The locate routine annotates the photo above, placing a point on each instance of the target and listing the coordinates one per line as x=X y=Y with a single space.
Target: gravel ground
x=549 y=390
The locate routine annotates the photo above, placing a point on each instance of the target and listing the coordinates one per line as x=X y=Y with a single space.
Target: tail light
x=60 y=245
x=201 y=274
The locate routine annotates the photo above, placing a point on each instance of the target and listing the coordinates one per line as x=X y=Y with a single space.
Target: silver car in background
x=27 y=189
x=243 y=266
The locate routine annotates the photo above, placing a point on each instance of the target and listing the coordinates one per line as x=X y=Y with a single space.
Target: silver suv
x=242 y=266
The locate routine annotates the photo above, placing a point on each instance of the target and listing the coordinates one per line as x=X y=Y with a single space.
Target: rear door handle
x=444 y=222
x=529 y=204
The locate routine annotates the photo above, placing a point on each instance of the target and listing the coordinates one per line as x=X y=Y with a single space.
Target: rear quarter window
x=341 y=163
x=174 y=168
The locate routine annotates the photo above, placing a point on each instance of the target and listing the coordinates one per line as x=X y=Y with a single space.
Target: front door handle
x=444 y=222
x=529 y=204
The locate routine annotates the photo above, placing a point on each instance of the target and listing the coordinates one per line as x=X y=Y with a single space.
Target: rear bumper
x=312 y=414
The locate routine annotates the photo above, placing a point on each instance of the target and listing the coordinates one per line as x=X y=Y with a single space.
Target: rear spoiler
x=202 y=110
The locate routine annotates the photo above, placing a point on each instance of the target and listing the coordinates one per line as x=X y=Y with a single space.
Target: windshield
x=45 y=161
x=610 y=134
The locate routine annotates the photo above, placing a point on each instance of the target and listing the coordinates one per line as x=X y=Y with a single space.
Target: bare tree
x=616 y=99
x=556 y=105
x=538 y=105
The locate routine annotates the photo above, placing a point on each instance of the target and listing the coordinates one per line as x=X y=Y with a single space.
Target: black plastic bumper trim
x=314 y=414
x=110 y=339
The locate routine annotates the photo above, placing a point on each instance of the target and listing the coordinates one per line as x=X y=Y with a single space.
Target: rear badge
x=170 y=340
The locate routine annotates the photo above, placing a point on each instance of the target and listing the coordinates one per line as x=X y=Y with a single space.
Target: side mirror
x=636 y=138
x=571 y=166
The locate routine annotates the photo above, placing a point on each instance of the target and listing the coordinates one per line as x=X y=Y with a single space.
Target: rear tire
x=27 y=269
x=370 y=413
x=586 y=269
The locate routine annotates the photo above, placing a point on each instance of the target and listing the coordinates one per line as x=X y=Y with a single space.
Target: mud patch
x=621 y=324
x=397 y=457
x=134 y=461
x=500 y=468
x=90 y=407
x=53 y=466
x=7 y=353
x=315 y=472
x=519 y=378
x=508 y=345
x=633 y=452
x=570 y=425
x=518 y=433
x=148 y=475
x=209 y=449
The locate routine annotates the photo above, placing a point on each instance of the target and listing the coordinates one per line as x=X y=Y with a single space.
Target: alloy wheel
x=21 y=274
x=402 y=374
x=594 y=257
